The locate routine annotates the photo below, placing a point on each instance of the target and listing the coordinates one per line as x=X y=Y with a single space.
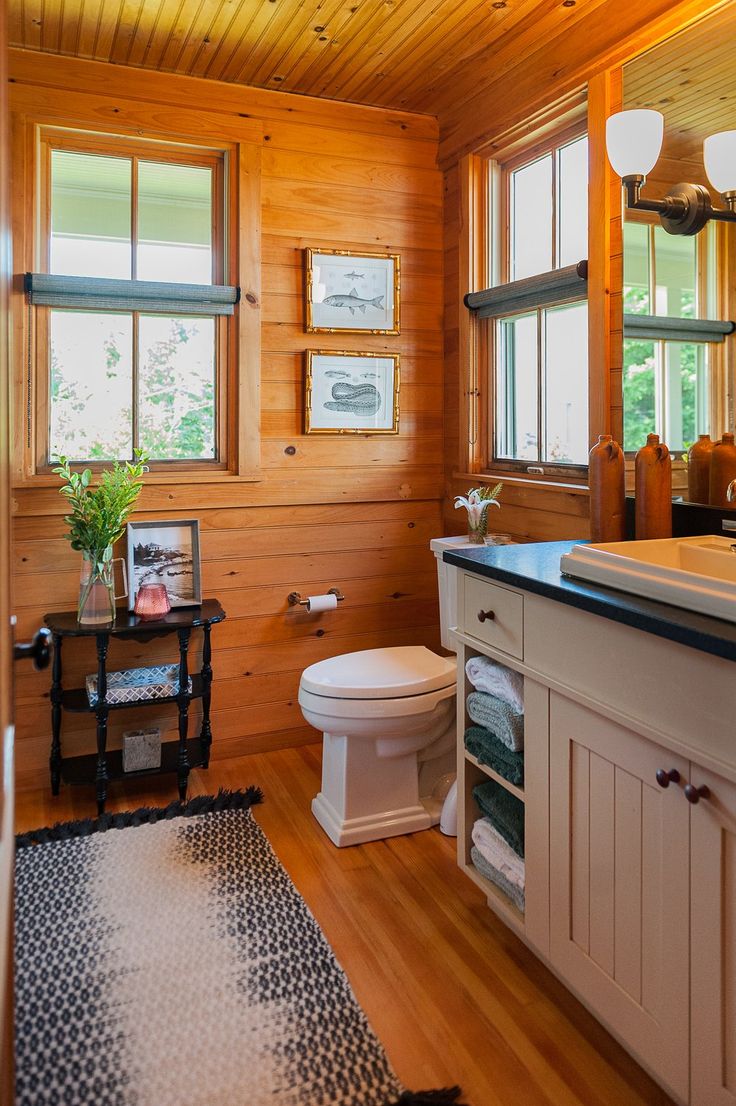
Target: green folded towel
x=487 y=749
x=494 y=876
x=498 y=717
x=504 y=811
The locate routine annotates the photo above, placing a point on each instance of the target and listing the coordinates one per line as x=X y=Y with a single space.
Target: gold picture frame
x=351 y=393
x=363 y=290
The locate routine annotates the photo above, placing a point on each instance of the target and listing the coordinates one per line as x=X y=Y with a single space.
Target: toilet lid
x=380 y=673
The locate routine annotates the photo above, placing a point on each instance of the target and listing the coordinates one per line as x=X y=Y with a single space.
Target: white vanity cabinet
x=630 y=885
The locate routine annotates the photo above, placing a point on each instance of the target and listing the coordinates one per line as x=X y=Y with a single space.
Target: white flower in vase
x=476 y=504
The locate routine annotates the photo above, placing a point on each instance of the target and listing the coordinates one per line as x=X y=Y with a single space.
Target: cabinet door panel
x=713 y=948
x=619 y=887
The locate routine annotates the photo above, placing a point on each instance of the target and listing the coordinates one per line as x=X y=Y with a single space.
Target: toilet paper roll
x=316 y=603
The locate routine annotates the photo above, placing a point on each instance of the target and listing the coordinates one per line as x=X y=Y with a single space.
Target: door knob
x=695 y=794
x=38 y=650
x=486 y=616
x=665 y=778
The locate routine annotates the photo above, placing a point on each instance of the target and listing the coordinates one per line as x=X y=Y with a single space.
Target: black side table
x=176 y=756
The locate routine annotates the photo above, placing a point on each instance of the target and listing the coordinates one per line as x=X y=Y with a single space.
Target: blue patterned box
x=134 y=684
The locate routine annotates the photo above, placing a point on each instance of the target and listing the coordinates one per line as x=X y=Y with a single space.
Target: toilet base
x=373 y=827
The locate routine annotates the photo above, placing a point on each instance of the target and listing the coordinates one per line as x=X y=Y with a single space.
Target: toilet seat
x=391 y=707
x=398 y=672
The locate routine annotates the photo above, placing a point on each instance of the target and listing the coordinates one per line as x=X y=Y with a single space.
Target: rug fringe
x=198 y=804
x=448 y=1096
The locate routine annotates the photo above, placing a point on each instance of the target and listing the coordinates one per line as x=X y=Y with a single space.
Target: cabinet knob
x=665 y=778
x=488 y=616
x=695 y=794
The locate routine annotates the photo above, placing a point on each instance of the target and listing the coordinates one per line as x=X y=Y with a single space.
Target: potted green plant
x=96 y=520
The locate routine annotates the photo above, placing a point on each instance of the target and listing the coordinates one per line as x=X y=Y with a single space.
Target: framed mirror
x=676 y=384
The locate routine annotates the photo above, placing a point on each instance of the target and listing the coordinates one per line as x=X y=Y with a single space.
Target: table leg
x=103 y=641
x=205 y=737
x=183 y=699
x=56 y=690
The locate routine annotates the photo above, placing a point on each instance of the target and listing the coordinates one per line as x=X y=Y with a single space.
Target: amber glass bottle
x=698 y=469
x=722 y=470
x=653 y=490
x=606 y=478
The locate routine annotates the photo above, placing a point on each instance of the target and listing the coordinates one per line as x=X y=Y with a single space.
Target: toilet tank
x=447 y=581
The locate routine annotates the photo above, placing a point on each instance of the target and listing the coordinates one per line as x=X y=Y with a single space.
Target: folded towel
x=494 y=876
x=487 y=749
x=500 y=855
x=498 y=717
x=486 y=675
x=505 y=811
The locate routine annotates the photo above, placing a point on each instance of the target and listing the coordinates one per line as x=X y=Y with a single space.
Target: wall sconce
x=633 y=142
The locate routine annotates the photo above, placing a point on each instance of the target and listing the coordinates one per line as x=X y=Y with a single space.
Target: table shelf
x=76 y=701
x=176 y=756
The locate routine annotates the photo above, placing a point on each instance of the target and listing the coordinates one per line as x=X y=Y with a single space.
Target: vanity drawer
x=494 y=614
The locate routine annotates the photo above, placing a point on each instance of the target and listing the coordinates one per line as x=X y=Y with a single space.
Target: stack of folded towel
x=487 y=749
x=498 y=862
x=504 y=811
x=499 y=717
x=486 y=675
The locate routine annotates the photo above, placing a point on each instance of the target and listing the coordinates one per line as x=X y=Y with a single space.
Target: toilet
x=388 y=720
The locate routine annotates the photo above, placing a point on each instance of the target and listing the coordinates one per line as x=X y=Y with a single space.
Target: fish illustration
x=355 y=276
x=353 y=302
x=355 y=399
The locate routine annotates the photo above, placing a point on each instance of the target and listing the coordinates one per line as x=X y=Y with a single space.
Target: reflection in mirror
x=675 y=384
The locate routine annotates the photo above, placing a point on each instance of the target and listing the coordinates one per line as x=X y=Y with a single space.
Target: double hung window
x=131 y=302
x=537 y=307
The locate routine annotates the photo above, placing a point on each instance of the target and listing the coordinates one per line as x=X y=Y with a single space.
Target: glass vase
x=477 y=530
x=97 y=589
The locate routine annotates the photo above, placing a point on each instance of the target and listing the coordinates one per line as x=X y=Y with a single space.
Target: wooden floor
x=453 y=995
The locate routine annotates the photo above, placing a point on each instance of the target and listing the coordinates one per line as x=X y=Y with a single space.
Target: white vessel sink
x=698 y=574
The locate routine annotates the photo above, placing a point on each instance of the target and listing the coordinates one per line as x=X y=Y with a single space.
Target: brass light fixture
x=633 y=142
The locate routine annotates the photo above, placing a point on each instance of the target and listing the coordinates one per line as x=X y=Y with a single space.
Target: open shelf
x=76 y=701
x=484 y=768
x=82 y=769
x=491 y=891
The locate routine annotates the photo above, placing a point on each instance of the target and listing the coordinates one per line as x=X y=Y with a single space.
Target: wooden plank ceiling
x=404 y=54
x=689 y=78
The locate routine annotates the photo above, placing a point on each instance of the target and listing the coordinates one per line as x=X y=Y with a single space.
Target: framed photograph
x=165 y=553
x=352 y=292
x=351 y=393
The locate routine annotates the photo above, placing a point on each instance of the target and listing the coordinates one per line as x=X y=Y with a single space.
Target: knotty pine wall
x=356 y=512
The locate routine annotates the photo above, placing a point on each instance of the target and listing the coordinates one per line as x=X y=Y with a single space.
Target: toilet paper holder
x=295 y=597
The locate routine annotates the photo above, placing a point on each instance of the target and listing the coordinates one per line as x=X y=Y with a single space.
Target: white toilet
x=388 y=719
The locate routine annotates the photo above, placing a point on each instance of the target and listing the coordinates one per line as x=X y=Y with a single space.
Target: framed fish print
x=354 y=293
x=351 y=393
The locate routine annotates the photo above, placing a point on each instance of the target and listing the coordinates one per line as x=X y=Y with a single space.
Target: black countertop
x=536 y=568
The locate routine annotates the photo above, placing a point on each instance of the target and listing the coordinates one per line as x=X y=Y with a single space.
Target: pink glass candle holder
x=152 y=601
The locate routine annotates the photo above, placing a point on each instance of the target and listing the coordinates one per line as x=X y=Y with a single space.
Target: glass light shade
x=633 y=141
x=719 y=155
x=152 y=601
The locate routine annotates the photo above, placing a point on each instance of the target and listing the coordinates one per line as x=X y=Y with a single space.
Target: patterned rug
x=170 y=961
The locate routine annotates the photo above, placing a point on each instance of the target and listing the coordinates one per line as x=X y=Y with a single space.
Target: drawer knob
x=695 y=794
x=664 y=778
x=486 y=616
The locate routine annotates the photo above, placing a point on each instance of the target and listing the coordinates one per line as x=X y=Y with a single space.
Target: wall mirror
x=673 y=385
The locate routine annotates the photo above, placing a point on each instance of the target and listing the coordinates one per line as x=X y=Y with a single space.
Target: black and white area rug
x=170 y=961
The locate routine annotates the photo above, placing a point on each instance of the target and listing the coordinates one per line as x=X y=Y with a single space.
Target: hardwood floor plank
x=451 y=992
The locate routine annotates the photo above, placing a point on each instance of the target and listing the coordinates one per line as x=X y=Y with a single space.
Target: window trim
x=495 y=185
x=242 y=219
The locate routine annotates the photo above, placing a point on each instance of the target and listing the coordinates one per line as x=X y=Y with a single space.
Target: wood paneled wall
x=527 y=92
x=356 y=512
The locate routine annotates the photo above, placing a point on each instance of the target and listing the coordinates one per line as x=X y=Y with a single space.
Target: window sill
x=519 y=480
x=155 y=479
